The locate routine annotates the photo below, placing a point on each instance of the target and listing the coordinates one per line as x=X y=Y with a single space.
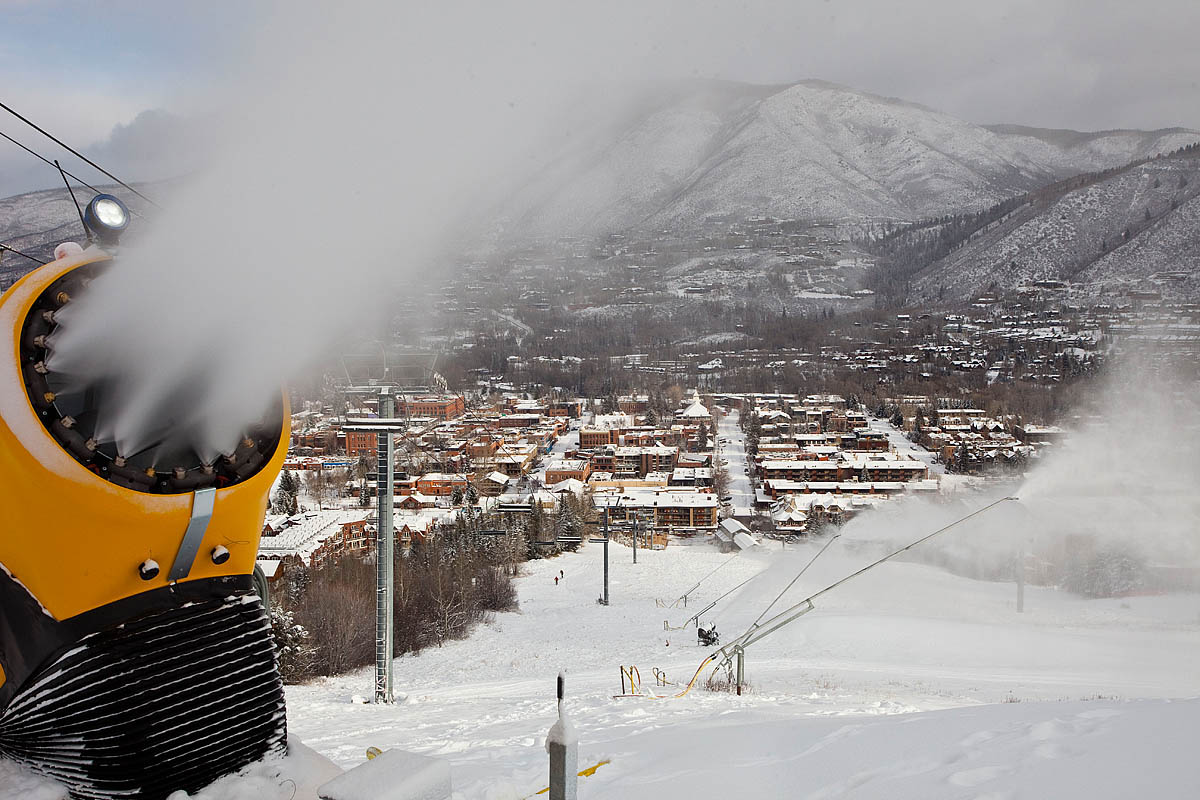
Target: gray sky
x=83 y=69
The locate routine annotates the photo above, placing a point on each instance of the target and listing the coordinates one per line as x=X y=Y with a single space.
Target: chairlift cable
x=47 y=161
x=75 y=152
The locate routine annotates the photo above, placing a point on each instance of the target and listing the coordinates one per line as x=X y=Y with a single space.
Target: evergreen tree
x=284 y=501
x=296 y=580
x=294 y=649
x=1110 y=572
x=567 y=524
x=535 y=530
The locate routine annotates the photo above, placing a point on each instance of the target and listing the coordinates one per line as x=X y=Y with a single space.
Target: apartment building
x=671 y=509
x=443 y=408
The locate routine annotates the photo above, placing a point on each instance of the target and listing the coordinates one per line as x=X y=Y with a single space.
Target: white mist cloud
x=1123 y=483
x=347 y=159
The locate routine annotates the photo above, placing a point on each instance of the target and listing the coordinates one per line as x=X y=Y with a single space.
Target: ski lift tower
x=384 y=428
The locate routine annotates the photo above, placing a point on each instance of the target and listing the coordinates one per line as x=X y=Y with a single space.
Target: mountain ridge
x=810 y=148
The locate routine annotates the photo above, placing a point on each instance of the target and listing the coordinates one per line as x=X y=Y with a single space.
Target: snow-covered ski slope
x=908 y=682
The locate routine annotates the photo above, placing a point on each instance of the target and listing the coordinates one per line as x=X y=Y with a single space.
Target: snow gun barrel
x=135 y=575
x=762 y=628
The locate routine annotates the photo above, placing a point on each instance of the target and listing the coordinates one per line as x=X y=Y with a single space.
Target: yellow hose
x=586 y=773
x=686 y=689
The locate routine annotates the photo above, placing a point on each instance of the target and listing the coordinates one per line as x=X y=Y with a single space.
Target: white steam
x=358 y=148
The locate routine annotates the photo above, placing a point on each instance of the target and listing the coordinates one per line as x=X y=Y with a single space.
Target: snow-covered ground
x=908 y=682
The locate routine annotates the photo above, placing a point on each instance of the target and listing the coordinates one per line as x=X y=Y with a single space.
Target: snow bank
x=393 y=775
x=1096 y=750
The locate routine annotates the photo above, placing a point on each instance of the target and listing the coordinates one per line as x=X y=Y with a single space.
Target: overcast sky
x=85 y=70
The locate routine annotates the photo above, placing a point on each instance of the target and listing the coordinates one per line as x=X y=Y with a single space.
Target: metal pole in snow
x=606 y=555
x=635 y=538
x=741 y=669
x=384 y=539
x=564 y=755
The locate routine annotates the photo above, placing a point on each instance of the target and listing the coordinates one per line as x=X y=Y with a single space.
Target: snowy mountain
x=1138 y=228
x=811 y=150
x=680 y=155
x=1091 y=152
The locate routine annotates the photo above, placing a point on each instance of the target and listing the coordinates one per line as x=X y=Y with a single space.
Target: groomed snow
x=904 y=683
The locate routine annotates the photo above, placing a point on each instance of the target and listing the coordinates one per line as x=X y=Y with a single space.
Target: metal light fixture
x=107 y=218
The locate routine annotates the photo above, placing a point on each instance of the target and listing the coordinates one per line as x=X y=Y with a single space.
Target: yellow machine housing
x=117 y=678
x=74 y=539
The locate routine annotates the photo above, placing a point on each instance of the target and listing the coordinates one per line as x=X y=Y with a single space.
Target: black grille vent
x=170 y=701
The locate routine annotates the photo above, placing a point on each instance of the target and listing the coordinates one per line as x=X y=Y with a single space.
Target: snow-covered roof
x=569 y=485
x=732 y=526
x=305 y=537
x=650 y=497
x=744 y=540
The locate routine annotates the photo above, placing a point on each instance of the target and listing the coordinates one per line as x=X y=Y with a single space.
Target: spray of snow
x=1120 y=486
x=358 y=149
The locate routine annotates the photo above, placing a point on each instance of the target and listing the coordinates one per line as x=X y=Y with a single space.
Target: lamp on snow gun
x=107 y=218
x=135 y=657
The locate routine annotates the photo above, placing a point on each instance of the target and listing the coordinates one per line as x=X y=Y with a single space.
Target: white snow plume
x=354 y=150
x=1111 y=509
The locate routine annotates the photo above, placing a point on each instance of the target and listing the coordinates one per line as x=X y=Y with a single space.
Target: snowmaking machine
x=136 y=658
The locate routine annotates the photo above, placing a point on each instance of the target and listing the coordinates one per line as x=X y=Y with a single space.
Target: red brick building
x=436 y=407
x=360 y=443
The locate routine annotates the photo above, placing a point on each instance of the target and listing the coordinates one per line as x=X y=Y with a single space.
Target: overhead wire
x=47 y=161
x=41 y=157
x=6 y=248
x=74 y=152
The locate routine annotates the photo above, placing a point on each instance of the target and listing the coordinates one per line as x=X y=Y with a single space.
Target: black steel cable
x=75 y=200
x=4 y=247
x=41 y=157
x=76 y=153
x=48 y=161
